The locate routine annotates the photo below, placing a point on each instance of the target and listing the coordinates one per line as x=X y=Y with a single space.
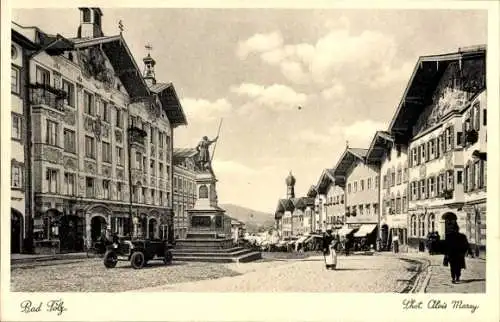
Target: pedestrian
x=456 y=247
x=329 y=253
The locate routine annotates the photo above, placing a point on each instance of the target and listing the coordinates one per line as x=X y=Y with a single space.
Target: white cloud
x=312 y=137
x=390 y=76
x=336 y=91
x=205 y=110
x=275 y=97
x=259 y=43
x=360 y=133
x=337 y=54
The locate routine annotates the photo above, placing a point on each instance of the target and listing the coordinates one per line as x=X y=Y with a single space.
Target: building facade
x=102 y=139
x=393 y=187
x=184 y=189
x=432 y=120
x=360 y=181
x=20 y=165
x=333 y=207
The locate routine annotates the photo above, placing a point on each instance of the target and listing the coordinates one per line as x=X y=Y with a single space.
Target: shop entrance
x=16 y=231
x=97 y=226
x=71 y=233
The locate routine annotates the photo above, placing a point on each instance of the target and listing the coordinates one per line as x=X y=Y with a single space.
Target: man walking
x=456 y=247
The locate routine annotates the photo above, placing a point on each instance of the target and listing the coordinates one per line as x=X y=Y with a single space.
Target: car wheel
x=137 y=260
x=168 y=257
x=110 y=259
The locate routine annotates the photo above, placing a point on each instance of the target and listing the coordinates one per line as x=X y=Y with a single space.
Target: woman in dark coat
x=456 y=247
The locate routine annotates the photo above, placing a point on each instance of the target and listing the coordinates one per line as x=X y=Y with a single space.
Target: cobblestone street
x=354 y=274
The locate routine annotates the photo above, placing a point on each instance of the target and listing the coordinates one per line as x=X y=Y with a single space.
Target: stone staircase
x=204 y=253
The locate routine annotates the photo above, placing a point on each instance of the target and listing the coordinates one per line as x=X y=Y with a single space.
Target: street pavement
x=353 y=274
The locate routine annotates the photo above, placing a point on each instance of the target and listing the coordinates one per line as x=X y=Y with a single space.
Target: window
x=432 y=188
x=432 y=149
x=161 y=169
x=459 y=138
x=342 y=199
x=421 y=225
x=449 y=139
x=69 y=88
x=405 y=204
x=484 y=117
x=423 y=153
x=119 y=194
x=477 y=175
x=393 y=178
x=400 y=176
x=152 y=196
x=17 y=126
x=467 y=178
x=459 y=177
x=119 y=118
x=362 y=185
x=143 y=196
x=89 y=185
x=349 y=188
x=422 y=189
x=414 y=157
x=152 y=165
x=69 y=141
x=375 y=209
x=398 y=150
x=119 y=156
x=42 y=76
x=369 y=183
x=161 y=198
x=405 y=175
x=51 y=137
x=69 y=184
x=105 y=189
x=16 y=176
x=431 y=227
x=106 y=152
x=398 y=205
x=88 y=103
x=355 y=188
x=151 y=135
x=384 y=183
x=450 y=179
x=160 y=139
x=89 y=147
x=138 y=161
x=144 y=164
x=52 y=180
x=413 y=222
x=376 y=182
x=15 y=86
x=106 y=112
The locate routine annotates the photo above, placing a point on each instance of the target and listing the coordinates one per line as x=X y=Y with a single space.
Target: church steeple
x=149 y=67
x=290 y=186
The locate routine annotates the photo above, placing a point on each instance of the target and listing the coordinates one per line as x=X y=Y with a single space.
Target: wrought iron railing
x=42 y=94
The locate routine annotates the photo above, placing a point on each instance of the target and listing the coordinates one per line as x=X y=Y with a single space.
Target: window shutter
x=477 y=114
x=452 y=134
x=451 y=173
x=410 y=159
x=419 y=154
x=428 y=152
x=473 y=179
x=485 y=172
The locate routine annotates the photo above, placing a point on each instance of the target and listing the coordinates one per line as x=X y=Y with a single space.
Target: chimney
x=90 y=23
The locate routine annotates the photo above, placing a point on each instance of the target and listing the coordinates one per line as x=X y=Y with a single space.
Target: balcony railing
x=42 y=94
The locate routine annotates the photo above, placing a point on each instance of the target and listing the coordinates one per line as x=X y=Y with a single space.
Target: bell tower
x=90 y=23
x=149 y=67
x=290 y=186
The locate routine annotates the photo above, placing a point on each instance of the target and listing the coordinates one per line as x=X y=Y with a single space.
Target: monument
x=209 y=229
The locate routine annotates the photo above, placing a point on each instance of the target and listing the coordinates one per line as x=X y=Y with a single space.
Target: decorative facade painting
x=460 y=82
x=93 y=64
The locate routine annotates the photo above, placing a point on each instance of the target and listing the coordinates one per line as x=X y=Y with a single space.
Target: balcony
x=41 y=94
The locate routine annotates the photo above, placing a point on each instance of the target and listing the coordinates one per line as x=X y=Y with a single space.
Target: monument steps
x=215 y=258
x=213 y=253
x=204 y=250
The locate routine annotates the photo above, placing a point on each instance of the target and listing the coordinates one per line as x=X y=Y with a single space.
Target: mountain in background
x=255 y=220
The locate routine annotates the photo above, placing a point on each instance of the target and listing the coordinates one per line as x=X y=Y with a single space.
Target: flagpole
x=215 y=145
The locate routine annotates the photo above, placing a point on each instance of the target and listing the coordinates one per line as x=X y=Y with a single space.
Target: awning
x=365 y=230
x=302 y=239
x=344 y=231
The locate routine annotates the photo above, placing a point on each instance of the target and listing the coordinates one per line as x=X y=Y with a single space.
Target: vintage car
x=138 y=252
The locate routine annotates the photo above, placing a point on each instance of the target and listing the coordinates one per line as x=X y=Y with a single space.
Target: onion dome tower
x=290 y=186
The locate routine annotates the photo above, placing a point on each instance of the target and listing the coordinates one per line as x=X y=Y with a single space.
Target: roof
x=326 y=178
x=423 y=81
x=23 y=41
x=170 y=102
x=312 y=191
x=381 y=142
x=120 y=57
x=349 y=156
x=184 y=152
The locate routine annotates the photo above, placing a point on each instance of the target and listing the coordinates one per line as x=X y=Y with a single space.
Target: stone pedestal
x=209 y=229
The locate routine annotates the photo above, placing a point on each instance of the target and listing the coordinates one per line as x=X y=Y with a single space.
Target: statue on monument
x=204 y=161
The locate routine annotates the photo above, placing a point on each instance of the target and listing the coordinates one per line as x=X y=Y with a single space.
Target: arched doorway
x=153 y=224
x=97 y=226
x=16 y=231
x=449 y=219
x=70 y=233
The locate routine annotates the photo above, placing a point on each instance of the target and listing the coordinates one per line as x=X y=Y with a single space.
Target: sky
x=253 y=68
